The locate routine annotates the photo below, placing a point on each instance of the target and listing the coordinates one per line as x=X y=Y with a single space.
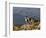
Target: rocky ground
x=33 y=26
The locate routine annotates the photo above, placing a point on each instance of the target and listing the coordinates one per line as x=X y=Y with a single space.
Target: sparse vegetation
x=35 y=25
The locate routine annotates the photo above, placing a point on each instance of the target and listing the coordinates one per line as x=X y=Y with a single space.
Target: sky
x=20 y=12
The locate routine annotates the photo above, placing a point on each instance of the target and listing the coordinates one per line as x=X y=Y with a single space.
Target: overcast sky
x=20 y=12
x=26 y=11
